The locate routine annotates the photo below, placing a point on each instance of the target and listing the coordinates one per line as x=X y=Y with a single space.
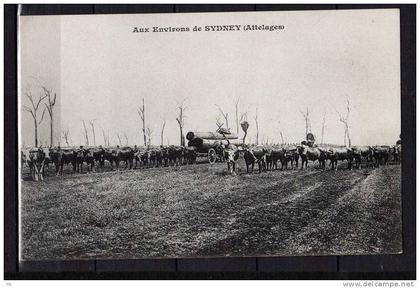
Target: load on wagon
x=210 y=144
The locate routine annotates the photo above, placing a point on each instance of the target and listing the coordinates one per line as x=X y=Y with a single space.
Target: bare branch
x=86 y=133
x=162 y=131
x=126 y=139
x=225 y=115
x=42 y=117
x=141 y=112
x=180 y=119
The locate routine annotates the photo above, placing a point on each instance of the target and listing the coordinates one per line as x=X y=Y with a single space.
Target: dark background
x=320 y=267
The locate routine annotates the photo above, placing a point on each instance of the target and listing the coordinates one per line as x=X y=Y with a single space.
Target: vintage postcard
x=209 y=135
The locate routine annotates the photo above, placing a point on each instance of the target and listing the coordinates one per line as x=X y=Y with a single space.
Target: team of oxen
x=95 y=158
x=267 y=157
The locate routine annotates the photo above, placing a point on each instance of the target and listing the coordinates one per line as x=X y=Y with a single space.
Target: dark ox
x=56 y=155
x=111 y=156
x=340 y=154
x=291 y=154
x=65 y=157
x=139 y=156
x=254 y=155
x=175 y=155
x=190 y=155
x=381 y=155
x=96 y=156
x=360 y=153
x=80 y=158
x=275 y=155
x=125 y=154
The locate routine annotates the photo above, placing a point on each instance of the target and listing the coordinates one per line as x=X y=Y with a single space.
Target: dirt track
x=202 y=211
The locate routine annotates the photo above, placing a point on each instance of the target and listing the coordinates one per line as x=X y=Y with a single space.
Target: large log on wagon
x=204 y=145
x=210 y=136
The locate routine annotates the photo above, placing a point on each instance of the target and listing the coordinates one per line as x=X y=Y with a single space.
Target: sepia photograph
x=188 y=135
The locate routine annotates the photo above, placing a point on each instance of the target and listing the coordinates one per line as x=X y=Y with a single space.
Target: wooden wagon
x=209 y=144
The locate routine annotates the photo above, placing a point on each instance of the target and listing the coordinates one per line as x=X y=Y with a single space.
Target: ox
x=257 y=154
x=360 y=153
x=175 y=155
x=291 y=154
x=190 y=155
x=340 y=154
x=311 y=153
x=381 y=155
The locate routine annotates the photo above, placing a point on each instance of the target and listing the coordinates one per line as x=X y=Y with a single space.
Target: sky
x=101 y=71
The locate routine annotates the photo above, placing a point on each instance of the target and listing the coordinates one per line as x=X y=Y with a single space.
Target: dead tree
x=142 y=113
x=66 y=137
x=256 y=123
x=33 y=110
x=119 y=138
x=50 y=108
x=92 y=126
x=86 y=133
x=180 y=119
x=149 y=133
x=219 y=124
x=236 y=114
x=345 y=120
x=58 y=140
x=126 y=139
x=162 y=131
x=281 y=133
x=106 y=137
x=225 y=115
x=323 y=129
x=306 y=116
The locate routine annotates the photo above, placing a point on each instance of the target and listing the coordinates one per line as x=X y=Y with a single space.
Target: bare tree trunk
x=345 y=121
x=142 y=113
x=65 y=136
x=92 y=125
x=126 y=139
x=256 y=124
x=348 y=135
x=50 y=108
x=237 y=117
x=182 y=137
x=180 y=120
x=36 y=134
x=149 y=133
x=144 y=123
x=323 y=129
x=33 y=110
x=161 y=133
x=51 y=129
x=86 y=133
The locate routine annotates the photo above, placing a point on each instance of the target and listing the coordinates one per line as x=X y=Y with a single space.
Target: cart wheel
x=212 y=156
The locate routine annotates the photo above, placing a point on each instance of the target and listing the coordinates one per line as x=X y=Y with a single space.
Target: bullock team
x=266 y=157
x=94 y=158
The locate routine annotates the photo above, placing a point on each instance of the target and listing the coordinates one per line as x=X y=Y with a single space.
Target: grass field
x=199 y=210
